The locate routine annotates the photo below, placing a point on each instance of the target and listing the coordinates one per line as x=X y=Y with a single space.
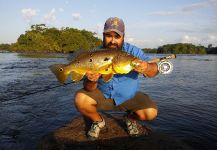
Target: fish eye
x=61 y=69
x=106 y=59
x=90 y=60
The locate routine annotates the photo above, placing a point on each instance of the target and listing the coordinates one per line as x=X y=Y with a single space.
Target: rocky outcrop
x=72 y=136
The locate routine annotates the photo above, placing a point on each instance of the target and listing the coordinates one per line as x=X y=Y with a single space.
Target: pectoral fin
x=107 y=77
x=77 y=76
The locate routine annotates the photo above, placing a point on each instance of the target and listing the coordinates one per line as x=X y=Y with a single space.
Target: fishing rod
x=172 y=56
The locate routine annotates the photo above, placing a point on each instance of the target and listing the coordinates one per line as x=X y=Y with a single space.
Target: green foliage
x=211 y=50
x=42 y=39
x=150 y=50
x=4 y=46
x=182 y=48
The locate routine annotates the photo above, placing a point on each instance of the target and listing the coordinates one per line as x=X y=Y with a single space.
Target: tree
x=43 y=39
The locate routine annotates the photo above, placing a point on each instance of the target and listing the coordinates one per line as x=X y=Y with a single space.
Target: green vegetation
x=4 y=46
x=183 y=48
x=150 y=50
x=43 y=39
x=211 y=50
x=38 y=55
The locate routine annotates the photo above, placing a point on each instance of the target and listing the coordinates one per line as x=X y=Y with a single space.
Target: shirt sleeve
x=135 y=51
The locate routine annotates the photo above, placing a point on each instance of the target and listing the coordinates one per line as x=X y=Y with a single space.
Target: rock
x=73 y=136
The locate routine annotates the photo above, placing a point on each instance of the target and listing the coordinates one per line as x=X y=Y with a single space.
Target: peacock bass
x=105 y=61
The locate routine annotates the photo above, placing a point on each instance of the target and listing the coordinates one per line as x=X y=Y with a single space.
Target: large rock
x=73 y=136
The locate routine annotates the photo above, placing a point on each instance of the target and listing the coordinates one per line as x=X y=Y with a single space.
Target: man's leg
x=87 y=106
x=145 y=114
x=142 y=107
x=87 y=102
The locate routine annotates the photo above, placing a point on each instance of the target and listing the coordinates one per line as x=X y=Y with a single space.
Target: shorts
x=138 y=102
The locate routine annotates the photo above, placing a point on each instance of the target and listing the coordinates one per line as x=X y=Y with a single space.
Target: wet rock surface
x=114 y=136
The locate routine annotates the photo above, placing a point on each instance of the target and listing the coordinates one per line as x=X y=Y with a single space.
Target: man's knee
x=147 y=114
x=83 y=101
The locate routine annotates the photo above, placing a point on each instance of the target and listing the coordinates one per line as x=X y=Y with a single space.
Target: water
x=33 y=103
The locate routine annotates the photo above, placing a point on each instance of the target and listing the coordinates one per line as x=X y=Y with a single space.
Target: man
x=122 y=91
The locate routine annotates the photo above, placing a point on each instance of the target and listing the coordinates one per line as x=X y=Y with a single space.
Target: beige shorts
x=138 y=102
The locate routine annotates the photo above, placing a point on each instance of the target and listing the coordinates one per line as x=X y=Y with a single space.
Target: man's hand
x=90 y=84
x=140 y=66
x=92 y=76
x=147 y=69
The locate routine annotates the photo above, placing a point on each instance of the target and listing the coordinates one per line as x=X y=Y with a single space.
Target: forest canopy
x=65 y=40
x=183 y=48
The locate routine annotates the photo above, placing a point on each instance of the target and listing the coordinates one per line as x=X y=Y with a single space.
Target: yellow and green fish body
x=105 y=62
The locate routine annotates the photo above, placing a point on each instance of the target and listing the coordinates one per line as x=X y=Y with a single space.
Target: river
x=33 y=103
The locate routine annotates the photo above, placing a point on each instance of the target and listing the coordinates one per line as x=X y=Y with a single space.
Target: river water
x=33 y=103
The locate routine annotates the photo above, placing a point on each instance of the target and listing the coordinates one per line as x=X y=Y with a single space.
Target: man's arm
x=148 y=69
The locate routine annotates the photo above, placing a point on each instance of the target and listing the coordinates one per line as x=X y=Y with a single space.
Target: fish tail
x=60 y=72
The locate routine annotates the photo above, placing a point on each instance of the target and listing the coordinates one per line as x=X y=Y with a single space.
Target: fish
x=107 y=62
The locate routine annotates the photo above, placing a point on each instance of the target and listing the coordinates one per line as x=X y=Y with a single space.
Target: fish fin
x=59 y=71
x=76 y=76
x=107 y=77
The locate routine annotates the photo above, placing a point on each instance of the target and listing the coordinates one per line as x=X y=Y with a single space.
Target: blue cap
x=114 y=24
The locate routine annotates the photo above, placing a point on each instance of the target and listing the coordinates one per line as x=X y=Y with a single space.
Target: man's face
x=112 y=40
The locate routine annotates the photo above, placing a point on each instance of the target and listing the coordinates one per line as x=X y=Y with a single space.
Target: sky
x=148 y=23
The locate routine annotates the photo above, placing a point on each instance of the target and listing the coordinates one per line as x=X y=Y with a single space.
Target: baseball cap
x=114 y=24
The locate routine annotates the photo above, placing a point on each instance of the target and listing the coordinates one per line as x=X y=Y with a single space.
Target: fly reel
x=165 y=67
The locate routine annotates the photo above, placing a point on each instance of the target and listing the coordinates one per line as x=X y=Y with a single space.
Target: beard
x=112 y=45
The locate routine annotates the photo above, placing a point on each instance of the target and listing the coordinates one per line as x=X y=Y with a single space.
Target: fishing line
x=38 y=91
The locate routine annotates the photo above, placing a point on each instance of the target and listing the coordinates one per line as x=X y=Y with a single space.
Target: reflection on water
x=33 y=103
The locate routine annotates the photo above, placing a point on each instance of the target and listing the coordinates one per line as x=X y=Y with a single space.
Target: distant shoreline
x=54 y=53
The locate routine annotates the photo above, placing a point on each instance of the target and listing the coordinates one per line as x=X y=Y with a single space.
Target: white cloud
x=98 y=29
x=76 y=16
x=185 y=10
x=163 y=13
x=186 y=39
x=200 y=5
x=199 y=40
x=61 y=10
x=28 y=13
x=211 y=39
x=145 y=42
x=50 y=17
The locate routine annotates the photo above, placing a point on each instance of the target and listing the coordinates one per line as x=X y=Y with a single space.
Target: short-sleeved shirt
x=123 y=86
